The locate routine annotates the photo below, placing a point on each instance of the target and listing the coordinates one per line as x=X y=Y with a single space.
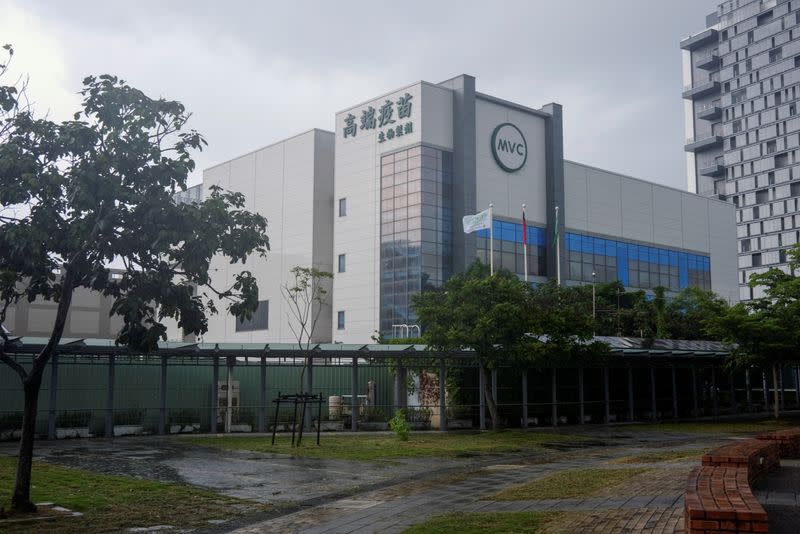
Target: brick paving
x=630 y=510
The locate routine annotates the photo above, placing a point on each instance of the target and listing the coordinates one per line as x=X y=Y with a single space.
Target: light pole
x=594 y=304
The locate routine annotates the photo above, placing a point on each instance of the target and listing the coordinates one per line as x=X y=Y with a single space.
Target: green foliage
x=73 y=419
x=764 y=331
x=400 y=426
x=131 y=416
x=505 y=321
x=373 y=414
x=99 y=188
x=10 y=421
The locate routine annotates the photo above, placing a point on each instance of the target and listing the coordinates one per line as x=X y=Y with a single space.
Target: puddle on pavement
x=572 y=446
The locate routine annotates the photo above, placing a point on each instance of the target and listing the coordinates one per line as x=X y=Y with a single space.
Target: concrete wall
x=88 y=317
x=289 y=183
x=357 y=178
x=508 y=191
x=604 y=203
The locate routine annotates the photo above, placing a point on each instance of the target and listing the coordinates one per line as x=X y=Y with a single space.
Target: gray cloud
x=254 y=73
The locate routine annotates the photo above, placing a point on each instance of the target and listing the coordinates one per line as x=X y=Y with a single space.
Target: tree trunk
x=775 y=399
x=491 y=402
x=21 y=499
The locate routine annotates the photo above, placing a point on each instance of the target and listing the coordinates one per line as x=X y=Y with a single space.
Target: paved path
x=323 y=496
x=395 y=509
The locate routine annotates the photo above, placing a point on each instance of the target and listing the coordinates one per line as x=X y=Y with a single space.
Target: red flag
x=524 y=229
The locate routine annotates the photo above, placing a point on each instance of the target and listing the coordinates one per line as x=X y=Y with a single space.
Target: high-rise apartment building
x=742 y=79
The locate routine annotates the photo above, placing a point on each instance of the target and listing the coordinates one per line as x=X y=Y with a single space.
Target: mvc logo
x=509 y=148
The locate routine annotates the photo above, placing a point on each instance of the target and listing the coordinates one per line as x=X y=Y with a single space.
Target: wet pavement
x=335 y=496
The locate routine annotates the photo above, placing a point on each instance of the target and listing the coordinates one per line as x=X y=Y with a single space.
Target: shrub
x=11 y=421
x=74 y=419
x=131 y=416
x=184 y=417
x=371 y=414
x=400 y=426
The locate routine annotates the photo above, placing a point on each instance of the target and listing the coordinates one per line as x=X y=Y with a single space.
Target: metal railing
x=712 y=79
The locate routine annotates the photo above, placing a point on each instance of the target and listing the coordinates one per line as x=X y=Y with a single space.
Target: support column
x=214 y=395
x=354 y=399
x=554 y=389
x=734 y=402
x=631 y=411
x=262 y=396
x=714 y=396
x=162 y=411
x=481 y=398
x=525 y=398
x=397 y=386
x=110 y=398
x=606 y=397
x=797 y=384
x=442 y=394
x=494 y=391
x=653 y=400
x=310 y=391
x=783 y=390
x=695 y=407
x=674 y=393
x=581 y=404
x=51 y=416
x=765 y=391
x=748 y=391
x=229 y=394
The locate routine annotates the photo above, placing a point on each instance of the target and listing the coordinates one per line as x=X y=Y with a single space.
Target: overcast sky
x=256 y=72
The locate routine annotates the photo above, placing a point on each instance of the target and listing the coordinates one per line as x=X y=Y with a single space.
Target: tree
x=691 y=312
x=506 y=322
x=764 y=331
x=479 y=312
x=98 y=189
x=306 y=299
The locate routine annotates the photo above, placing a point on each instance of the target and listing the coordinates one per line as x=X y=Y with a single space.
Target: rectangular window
x=342 y=263
x=772 y=147
x=781 y=160
x=775 y=55
x=342 y=207
x=258 y=321
x=738 y=96
x=340 y=320
x=756 y=260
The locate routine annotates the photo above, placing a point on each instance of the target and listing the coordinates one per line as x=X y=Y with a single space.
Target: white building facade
x=379 y=203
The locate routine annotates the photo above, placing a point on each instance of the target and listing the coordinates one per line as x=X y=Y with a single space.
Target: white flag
x=479 y=221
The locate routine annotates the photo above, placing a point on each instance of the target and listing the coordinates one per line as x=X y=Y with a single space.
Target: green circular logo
x=509 y=148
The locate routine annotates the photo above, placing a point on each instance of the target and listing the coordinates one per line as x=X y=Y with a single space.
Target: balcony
x=701 y=88
x=708 y=60
x=715 y=169
x=710 y=112
x=710 y=35
x=698 y=144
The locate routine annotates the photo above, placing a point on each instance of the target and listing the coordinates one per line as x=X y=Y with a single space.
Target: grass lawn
x=569 y=484
x=661 y=456
x=114 y=503
x=379 y=447
x=745 y=427
x=480 y=522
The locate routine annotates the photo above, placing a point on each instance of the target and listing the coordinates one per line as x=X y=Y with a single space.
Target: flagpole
x=525 y=242
x=558 y=250
x=491 y=239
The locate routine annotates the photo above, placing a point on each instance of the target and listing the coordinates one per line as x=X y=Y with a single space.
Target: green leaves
x=98 y=189
x=505 y=321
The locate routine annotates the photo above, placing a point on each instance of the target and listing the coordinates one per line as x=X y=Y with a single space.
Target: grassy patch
x=480 y=522
x=569 y=484
x=379 y=447
x=113 y=503
x=746 y=427
x=660 y=456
